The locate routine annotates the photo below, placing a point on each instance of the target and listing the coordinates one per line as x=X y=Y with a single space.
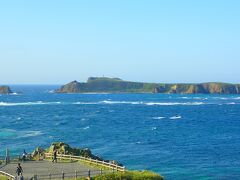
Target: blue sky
x=57 y=41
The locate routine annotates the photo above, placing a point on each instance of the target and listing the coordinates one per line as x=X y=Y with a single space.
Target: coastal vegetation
x=117 y=85
x=2 y=177
x=128 y=175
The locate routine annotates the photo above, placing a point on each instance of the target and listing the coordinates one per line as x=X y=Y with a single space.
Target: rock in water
x=5 y=90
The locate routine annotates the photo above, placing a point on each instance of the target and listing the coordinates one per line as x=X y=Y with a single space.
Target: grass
x=128 y=175
x=3 y=177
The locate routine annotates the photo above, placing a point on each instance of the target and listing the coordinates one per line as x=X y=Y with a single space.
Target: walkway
x=31 y=168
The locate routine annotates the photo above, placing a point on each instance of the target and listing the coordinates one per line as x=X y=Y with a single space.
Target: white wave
x=185 y=97
x=174 y=103
x=14 y=94
x=86 y=103
x=51 y=91
x=175 y=117
x=121 y=102
x=28 y=103
x=96 y=93
x=237 y=98
x=140 y=103
x=25 y=134
x=19 y=118
x=159 y=117
x=87 y=127
x=154 y=128
x=231 y=103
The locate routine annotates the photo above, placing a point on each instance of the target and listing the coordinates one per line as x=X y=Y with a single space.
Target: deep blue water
x=178 y=136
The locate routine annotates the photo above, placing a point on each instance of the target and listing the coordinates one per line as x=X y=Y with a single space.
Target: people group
x=19 y=170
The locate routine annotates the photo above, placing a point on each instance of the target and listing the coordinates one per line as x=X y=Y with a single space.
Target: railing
x=7 y=175
x=73 y=175
x=109 y=165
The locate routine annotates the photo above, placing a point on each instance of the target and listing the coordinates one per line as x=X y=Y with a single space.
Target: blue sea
x=178 y=136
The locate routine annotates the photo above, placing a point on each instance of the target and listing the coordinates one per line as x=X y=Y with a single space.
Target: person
x=19 y=170
x=54 y=156
x=24 y=155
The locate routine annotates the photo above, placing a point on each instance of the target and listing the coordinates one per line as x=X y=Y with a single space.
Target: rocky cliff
x=5 y=90
x=116 y=85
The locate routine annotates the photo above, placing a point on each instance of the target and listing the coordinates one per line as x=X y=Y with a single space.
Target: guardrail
x=88 y=160
x=74 y=175
x=7 y=175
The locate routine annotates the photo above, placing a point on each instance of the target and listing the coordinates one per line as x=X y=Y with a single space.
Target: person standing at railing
x=24 y=155
x=54 y=156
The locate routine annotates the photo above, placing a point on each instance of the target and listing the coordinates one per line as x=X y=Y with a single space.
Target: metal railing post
x=35 y=177
x=50 y=176
x=89 y=173
x=62 y=174
x=75 y=174
x=7 y=158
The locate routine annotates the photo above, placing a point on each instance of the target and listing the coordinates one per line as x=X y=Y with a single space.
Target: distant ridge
x=117 y=85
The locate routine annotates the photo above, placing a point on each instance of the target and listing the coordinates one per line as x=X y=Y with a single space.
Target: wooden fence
x=7 y=175
x=88 y=160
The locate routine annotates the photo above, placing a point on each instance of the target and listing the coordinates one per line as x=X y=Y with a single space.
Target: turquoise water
x=179 y=136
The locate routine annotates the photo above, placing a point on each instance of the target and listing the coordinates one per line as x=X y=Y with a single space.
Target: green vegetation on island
x=5 y=90
x=116 y=85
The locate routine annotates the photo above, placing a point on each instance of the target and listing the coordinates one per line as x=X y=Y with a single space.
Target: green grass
x=3 y=177
x=128 y=175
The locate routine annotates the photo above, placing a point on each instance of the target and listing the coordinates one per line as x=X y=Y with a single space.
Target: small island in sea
x=117 y=85
x=5 y=90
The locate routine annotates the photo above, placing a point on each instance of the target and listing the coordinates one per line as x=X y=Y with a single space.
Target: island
x=117 y=85
x=5 y=90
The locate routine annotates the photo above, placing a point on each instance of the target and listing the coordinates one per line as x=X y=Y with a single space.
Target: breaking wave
x=174 y=103
x=175 y=117
x=28 y=103
x=85 y=128
x=112 y=102
x=158 y=118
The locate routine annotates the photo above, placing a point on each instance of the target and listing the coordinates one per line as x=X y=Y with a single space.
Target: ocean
x=179 y=136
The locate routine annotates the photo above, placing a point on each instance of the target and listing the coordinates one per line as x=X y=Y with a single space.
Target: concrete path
x=31 y=168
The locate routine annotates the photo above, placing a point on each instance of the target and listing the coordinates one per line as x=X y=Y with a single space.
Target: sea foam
x=175 y=117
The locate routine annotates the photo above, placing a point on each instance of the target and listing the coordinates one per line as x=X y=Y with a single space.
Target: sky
x=169 y=41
